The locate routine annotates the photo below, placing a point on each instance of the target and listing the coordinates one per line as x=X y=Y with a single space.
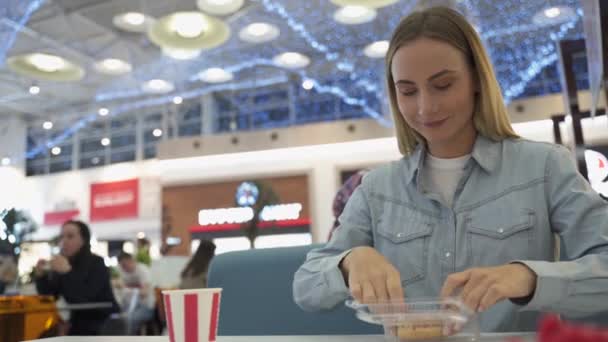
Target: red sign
x=114 y=200
x=59 y=217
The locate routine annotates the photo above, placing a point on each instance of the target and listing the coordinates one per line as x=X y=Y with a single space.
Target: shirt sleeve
x=319 y=283
x=577 y=285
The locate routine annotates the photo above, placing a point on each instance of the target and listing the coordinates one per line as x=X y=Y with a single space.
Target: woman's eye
x=443 y=86
x=407 y=92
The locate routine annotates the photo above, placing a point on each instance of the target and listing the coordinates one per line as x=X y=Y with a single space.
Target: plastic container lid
x=420 y=319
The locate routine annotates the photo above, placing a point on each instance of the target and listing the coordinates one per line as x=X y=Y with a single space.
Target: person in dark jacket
x=78 y=276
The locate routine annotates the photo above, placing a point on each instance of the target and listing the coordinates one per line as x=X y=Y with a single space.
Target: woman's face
x=70 y=240
x=435 y=90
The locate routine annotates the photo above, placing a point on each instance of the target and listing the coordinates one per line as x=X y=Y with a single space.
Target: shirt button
x=501 y=230
x=448 y=254
x=399 y=235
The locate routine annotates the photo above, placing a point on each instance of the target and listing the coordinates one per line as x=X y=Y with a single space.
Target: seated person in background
x=342 y=196
x=8 y=271
x=194 y=275
x=78 y=276
x=136 y=276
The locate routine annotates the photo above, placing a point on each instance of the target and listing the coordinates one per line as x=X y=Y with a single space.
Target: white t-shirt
x=137 y=279
x=441 y=176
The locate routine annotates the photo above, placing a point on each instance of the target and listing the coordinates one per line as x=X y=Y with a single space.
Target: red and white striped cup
x=192 y=315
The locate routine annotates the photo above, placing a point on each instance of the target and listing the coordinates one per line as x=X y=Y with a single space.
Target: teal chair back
x=257 y=297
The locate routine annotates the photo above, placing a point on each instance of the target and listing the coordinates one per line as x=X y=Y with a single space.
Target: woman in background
x=194 y=275
x=78 y=276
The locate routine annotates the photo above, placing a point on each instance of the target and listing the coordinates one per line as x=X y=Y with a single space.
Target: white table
x=326 y=338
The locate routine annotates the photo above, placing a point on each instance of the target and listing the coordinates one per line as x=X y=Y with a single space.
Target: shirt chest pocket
x=403 y=238
x=498 y=235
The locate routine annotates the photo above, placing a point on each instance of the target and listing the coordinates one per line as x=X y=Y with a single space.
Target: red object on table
x=552 y=329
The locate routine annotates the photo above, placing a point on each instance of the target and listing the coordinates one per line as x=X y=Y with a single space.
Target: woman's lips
x=435 y=123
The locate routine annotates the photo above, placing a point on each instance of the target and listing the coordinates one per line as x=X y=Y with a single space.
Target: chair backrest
x=257 y=297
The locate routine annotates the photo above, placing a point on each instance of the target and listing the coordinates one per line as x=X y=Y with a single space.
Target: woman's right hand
x=371 y=277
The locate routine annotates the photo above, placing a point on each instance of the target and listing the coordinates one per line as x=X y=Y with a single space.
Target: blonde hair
x=490 y=114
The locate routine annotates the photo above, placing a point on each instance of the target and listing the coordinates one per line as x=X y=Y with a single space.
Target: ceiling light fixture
x=215 y=75
x=376 y=49
x=291 y=60
x=354 y=15
x=47 y=125
x=219 y=7
x=158 y=86
x=259 y=33
x=112 y=66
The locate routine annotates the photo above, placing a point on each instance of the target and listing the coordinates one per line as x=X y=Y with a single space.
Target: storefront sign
x=114 y=200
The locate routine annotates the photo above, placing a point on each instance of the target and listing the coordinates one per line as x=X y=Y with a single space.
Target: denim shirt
x=514 y=199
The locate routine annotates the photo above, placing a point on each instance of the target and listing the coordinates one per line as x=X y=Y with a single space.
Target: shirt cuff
x=551 y=288
x=333 y=275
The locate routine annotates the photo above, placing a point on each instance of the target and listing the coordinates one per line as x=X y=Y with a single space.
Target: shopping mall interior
x=164 y=125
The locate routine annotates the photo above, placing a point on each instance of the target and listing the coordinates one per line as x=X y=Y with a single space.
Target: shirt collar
x=485 y=153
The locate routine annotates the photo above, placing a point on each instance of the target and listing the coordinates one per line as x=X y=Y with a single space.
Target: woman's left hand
x=483 y=287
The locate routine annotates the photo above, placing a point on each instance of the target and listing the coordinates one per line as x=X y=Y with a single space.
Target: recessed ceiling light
x=6 y=161
x=181 y=54
x=112 y=66
x=366 y=3
x=215 y=75
x=158 y=86
x=46 y=62
x=220 y=7
x=47 y=125
x=95 y=160
x=103 y=111
x=291 y=60
x=554 y=16
x=157 y=132
x=354 y=15
x=132 y=21
x=34 y=90
x=56 y=151
x=376 y=49
x=178 y=100
x=105 y=141
x=259 y=33
x=552 y=12
x=45 y=66
x=188 y=24
x=308 y=84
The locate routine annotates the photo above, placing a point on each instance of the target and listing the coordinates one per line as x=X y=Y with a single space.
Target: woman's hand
x=60 y=264
x=486 y=286
x=371 y=277
x=41 y=267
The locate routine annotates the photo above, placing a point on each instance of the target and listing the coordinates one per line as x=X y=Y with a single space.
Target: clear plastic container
x=421 y=319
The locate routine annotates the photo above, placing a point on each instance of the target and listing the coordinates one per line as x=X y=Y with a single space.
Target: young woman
x=194 y=275
x=471 y=210
x=78 y=276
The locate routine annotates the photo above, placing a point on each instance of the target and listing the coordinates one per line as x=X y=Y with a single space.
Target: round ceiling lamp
x=220 y=7
x=157 y=86
x=181 y=54
x=365 y=3
x=354 y=15
x=554 y=16
x=46 y=67
x=259 y=33
x=376 y=49
x=291 y=60
x=215 y=75
x=132 y=22
x=112 y=66
x=189 y=31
